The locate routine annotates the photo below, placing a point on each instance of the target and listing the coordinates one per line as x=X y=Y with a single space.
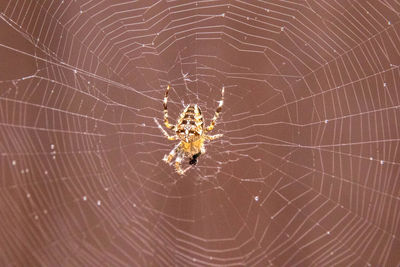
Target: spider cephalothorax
x=191 y=132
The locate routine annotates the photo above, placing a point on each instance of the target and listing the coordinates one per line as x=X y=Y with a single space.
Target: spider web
x=307 y=172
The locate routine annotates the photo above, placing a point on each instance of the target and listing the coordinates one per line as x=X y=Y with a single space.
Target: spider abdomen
x=190 y=124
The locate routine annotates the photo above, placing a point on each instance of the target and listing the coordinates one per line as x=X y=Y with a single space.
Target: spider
x=191 y=132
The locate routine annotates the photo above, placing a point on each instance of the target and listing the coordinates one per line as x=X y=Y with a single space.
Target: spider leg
x=166 y=122
x=178 y=162
x=202 y=150
x=168 y=158
x=219 y=108
x=213 y=137
x=174 y=137
x=178 y=167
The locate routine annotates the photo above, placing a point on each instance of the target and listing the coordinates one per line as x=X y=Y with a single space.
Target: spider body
x=191 y=133
x=189 y=128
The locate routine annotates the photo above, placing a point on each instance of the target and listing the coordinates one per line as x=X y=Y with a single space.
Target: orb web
x=306 y=173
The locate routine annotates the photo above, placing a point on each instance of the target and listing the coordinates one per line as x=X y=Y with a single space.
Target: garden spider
x=191 y=132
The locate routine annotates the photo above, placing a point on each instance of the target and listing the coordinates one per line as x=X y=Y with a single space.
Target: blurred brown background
x=307 y=173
